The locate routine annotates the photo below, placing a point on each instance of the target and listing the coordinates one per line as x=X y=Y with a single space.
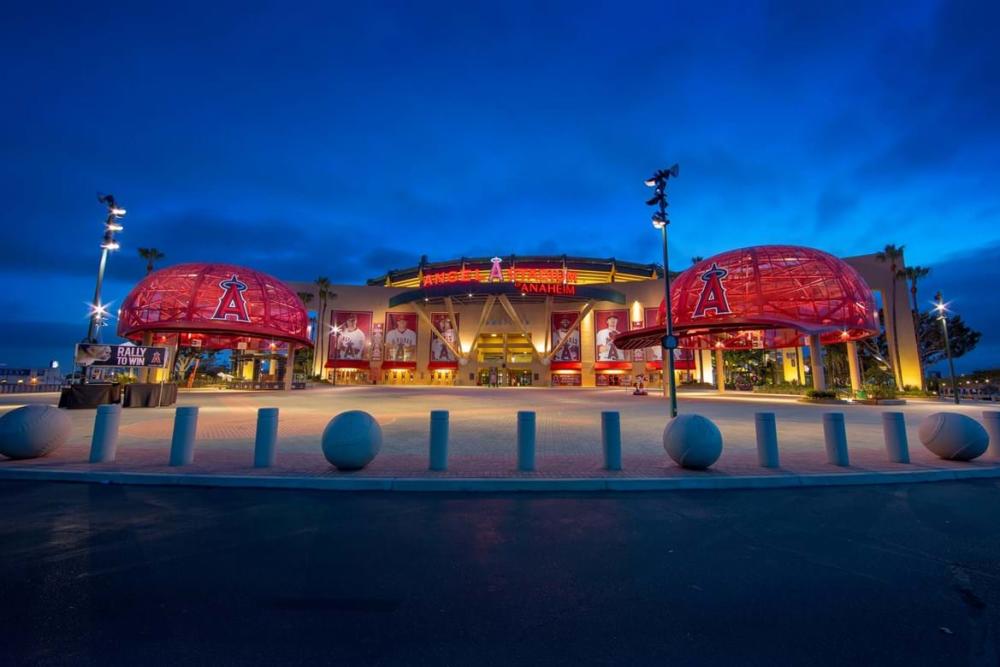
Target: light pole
x=98 y=311
x=942 y=309
x=658 y=181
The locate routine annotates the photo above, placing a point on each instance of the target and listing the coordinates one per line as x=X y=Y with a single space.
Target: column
x=289 y=367
x=816 y=363
x=720 y=370
x=854 y=365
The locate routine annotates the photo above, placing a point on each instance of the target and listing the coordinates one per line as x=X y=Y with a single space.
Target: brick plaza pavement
x=483 y=425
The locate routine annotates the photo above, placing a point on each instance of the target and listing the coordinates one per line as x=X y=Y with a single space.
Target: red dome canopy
x=221 y=305
x=765 y=297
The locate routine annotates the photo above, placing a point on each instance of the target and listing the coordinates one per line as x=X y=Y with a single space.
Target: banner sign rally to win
x=100 y=356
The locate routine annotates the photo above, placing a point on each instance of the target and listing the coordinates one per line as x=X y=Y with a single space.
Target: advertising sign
x=560 y=329
x=350 y=334
x=449 y=330
x=378 y=340
x=401 y=337
x=607 y=325
x=95 y=355
x=566 y=380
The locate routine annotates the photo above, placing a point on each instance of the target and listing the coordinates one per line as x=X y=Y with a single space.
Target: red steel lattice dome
x=219 y=305
x=765 y=297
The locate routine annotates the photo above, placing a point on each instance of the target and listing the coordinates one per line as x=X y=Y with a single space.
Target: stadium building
x=553 y=321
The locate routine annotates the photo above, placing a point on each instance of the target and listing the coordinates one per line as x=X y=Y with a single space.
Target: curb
x=488 y=485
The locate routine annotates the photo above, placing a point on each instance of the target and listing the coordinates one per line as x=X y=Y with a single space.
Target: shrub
x=880 y=391
x=784 y=388
x=821 y=393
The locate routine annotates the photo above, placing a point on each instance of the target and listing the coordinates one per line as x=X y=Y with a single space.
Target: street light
x=942 y=310
x=99 y=311
x=658 y=181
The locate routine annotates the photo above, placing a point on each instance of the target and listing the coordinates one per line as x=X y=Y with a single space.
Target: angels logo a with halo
x=232 y=304
x=713 y=294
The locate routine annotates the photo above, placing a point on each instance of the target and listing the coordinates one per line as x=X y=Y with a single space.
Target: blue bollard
x=611 y=440
x=526 y=440
x=182 y=443
x=835 y=434
x=991 y=420
x=894 y=430
x=265 y=449
x=104 y=444
x=767 y=439
x=439 y=440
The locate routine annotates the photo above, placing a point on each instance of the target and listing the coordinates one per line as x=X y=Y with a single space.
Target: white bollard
x=104 y=444
x=265 y=447
x=767 y=439
x=611 y=440
x=439 y=440
x=525 y=440
x=182 y=444
x=836 y=438
x=894 y=430
x=991 y=420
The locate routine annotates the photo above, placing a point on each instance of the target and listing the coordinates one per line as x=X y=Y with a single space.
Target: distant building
x=42 y=376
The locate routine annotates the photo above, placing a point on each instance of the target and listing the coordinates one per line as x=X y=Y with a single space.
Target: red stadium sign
x=523 y=275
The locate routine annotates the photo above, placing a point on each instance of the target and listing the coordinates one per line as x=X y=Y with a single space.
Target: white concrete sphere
x=351 y=440
x=692 y=441
x=33 y=430
x=953 y=436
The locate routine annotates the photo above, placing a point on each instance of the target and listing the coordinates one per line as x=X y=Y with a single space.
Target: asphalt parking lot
x=106 y=574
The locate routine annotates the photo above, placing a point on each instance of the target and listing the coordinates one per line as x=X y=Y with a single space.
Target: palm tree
x=893 y=256
x=323 y=283
x=913 y=274
x=150 y=255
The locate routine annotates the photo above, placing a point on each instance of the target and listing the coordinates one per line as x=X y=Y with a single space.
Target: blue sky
x=346 y=139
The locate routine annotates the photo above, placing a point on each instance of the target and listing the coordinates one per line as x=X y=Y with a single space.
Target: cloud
x=968 y=282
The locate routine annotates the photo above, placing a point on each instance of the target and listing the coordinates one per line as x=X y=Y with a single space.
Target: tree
x=323 y=285
x=930 y=337
x=914 y=274
x=696 y=259
x=151 y=255
x=893 y=256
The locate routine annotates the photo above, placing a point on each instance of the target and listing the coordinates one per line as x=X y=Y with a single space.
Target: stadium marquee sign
x=551 y=279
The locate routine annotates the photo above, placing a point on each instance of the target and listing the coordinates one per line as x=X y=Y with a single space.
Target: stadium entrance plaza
x=483 y=432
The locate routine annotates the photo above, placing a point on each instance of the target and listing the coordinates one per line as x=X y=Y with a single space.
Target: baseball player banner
x=440 y=352
x=350 y=335
x=401 y=337
x=560 y=328
x=607 y=325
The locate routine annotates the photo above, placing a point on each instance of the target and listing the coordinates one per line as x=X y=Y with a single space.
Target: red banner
x=349 y=338
x=607 y=325
x=560 y=329
x=441 y=355
x=401 y=337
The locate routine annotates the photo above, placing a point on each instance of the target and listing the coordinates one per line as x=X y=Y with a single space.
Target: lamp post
x=942 y=310
x=98 y=311
x=658 y=181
